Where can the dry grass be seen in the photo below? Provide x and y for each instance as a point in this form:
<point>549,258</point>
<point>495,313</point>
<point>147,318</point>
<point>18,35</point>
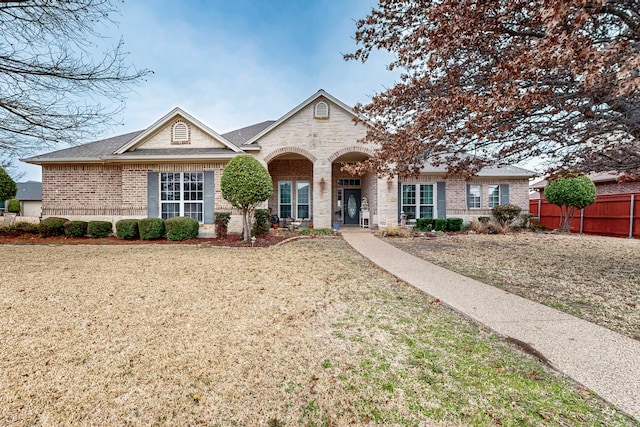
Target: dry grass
<point>307,333</point>
<point>593,277</point>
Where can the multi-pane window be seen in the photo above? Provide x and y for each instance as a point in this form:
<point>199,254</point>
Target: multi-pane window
<point>285,200</point>
<point>417,200</point>
<point>474,197</point>
<point>494,195</point>
<point>349,182</point>
<point>182,194</point>
<point>302,199</point>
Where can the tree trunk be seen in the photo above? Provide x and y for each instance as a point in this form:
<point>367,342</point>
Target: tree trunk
<point>246,232</point>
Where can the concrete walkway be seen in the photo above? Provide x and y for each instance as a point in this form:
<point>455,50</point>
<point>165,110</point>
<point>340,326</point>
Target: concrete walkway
<point>601,360</point>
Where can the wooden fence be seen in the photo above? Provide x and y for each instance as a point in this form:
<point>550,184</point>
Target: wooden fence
<point>611,215</point>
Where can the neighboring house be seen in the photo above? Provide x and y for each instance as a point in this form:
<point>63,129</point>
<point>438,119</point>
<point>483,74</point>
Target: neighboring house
<point>30,197</point>
<point>605,182</point>
<point>174,167</point>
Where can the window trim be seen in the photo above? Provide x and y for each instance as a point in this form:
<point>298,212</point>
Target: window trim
<point>479,196</point>
<point>182,200</point>
<point>280,204</point>
<point>417,189</point>
<point>489,193</point>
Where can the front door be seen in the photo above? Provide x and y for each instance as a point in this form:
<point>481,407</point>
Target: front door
<point>352,199</point>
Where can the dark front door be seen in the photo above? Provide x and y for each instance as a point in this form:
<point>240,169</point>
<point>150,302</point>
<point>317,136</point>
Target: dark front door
<point>352,199</point>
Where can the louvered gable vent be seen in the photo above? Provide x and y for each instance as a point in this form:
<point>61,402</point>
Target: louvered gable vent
<point>322,110</point>
<point>180,133</point>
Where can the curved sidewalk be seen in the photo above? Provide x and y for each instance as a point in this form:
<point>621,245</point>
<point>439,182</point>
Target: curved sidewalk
<point>601,360</point>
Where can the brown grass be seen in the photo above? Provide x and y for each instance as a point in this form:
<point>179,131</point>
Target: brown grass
<point>307,333</point>
<point>593,277</point>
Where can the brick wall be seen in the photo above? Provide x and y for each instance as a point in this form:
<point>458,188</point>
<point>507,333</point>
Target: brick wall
<point>617,188</point>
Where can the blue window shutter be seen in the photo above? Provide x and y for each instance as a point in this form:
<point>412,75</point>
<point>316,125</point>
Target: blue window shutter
<point>441,188</point>
<point>504,194</point>
<point>153,209</point>
<point>399,201</point>
<point>468,196</point>
<point>209,191</point>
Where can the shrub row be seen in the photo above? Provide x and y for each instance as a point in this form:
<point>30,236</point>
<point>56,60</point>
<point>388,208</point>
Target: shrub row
<point>178,228</point>
<point>439,224</point>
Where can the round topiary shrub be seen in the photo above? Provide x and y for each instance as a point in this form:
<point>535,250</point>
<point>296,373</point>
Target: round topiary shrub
<point>151,228</point>
<point>52,226</point>
<point>127,229</point>
<point>75,229</point>
<point>98,229</point>
<point>181,228</point>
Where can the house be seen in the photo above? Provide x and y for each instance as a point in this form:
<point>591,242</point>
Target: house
<point>30,197</point>
<point>173,168</point>
<point>605,182</point>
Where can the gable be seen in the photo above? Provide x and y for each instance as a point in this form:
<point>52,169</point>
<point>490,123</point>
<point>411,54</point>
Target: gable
<point>164,138</point>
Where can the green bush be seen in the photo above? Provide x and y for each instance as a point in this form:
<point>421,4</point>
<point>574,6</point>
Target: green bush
<point>454,224</point>
<point>52,226</point>
<point>98,229</point>
<point>151,228</point>
<point>26,227</point>
<point>506,214</point>
<point>127,229</point>
<point>261,222</point>
<point>75,228</point>
<point>222,224</point>
<point>424,224</point>
<point>14,206</point>
<point>181,228</point>
<point>440,224</point>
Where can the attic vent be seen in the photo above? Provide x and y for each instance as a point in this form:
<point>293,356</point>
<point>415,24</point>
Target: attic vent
<point>180,133</point>
<point>322,110</point>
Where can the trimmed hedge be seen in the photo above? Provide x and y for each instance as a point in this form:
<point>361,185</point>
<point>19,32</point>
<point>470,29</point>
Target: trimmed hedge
<point>181,228</point>
<point>261,223</point>
<point>127,229</point>
<point>13,206</point>
<point>454,224</point>
<point>151,228</point>
<point>424,224</point>
<point>506,214</point>
<point>98,229</point>
<point>52,226</point>
<point>75,228</point>
<point>440,224</point>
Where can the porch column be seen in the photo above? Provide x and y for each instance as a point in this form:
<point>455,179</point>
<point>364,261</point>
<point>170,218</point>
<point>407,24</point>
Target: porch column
<point>322,191</point>
<point>387,201</point>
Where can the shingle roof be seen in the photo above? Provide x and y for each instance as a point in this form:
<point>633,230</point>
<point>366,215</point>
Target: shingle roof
<point>90,151</point>
<point>491,170</point>
<point>30,190</point>
<point>242,135</point>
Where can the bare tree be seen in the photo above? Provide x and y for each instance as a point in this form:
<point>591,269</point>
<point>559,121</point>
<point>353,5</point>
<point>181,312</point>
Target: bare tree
<point>60,80</point>
<point>505,81</point>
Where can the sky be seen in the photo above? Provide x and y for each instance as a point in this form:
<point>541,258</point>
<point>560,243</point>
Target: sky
<point>235,63</point>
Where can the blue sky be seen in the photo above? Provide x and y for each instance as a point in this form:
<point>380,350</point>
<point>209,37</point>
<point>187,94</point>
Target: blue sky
<point>235,63</point>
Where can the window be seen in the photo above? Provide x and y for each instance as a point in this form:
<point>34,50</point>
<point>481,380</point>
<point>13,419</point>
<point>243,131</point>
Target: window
<point>285,200</point>
<point>180,133</point>
<point>349,182</point>
<point>474,196</point>
<point>182,194</point>
<point>302,200</point>
<point>494,195</point>
<point>417,199</point>
<point>321,110</point>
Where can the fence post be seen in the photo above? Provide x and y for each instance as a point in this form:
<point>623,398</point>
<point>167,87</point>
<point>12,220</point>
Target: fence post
<point>633,200</point>
<point>540,208</point>
<point>581,219</point>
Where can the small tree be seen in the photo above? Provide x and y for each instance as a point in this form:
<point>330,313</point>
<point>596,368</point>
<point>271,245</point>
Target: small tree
<point>245,183</point>
<point>571,193</point>
<point>8,187</point>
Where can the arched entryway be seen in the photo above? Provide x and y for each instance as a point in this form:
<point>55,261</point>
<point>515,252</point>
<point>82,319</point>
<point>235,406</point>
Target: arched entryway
<point>351,191</point>
<point>292,177</point>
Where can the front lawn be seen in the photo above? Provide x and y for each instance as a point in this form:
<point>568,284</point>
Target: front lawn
<point>306,333</point>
